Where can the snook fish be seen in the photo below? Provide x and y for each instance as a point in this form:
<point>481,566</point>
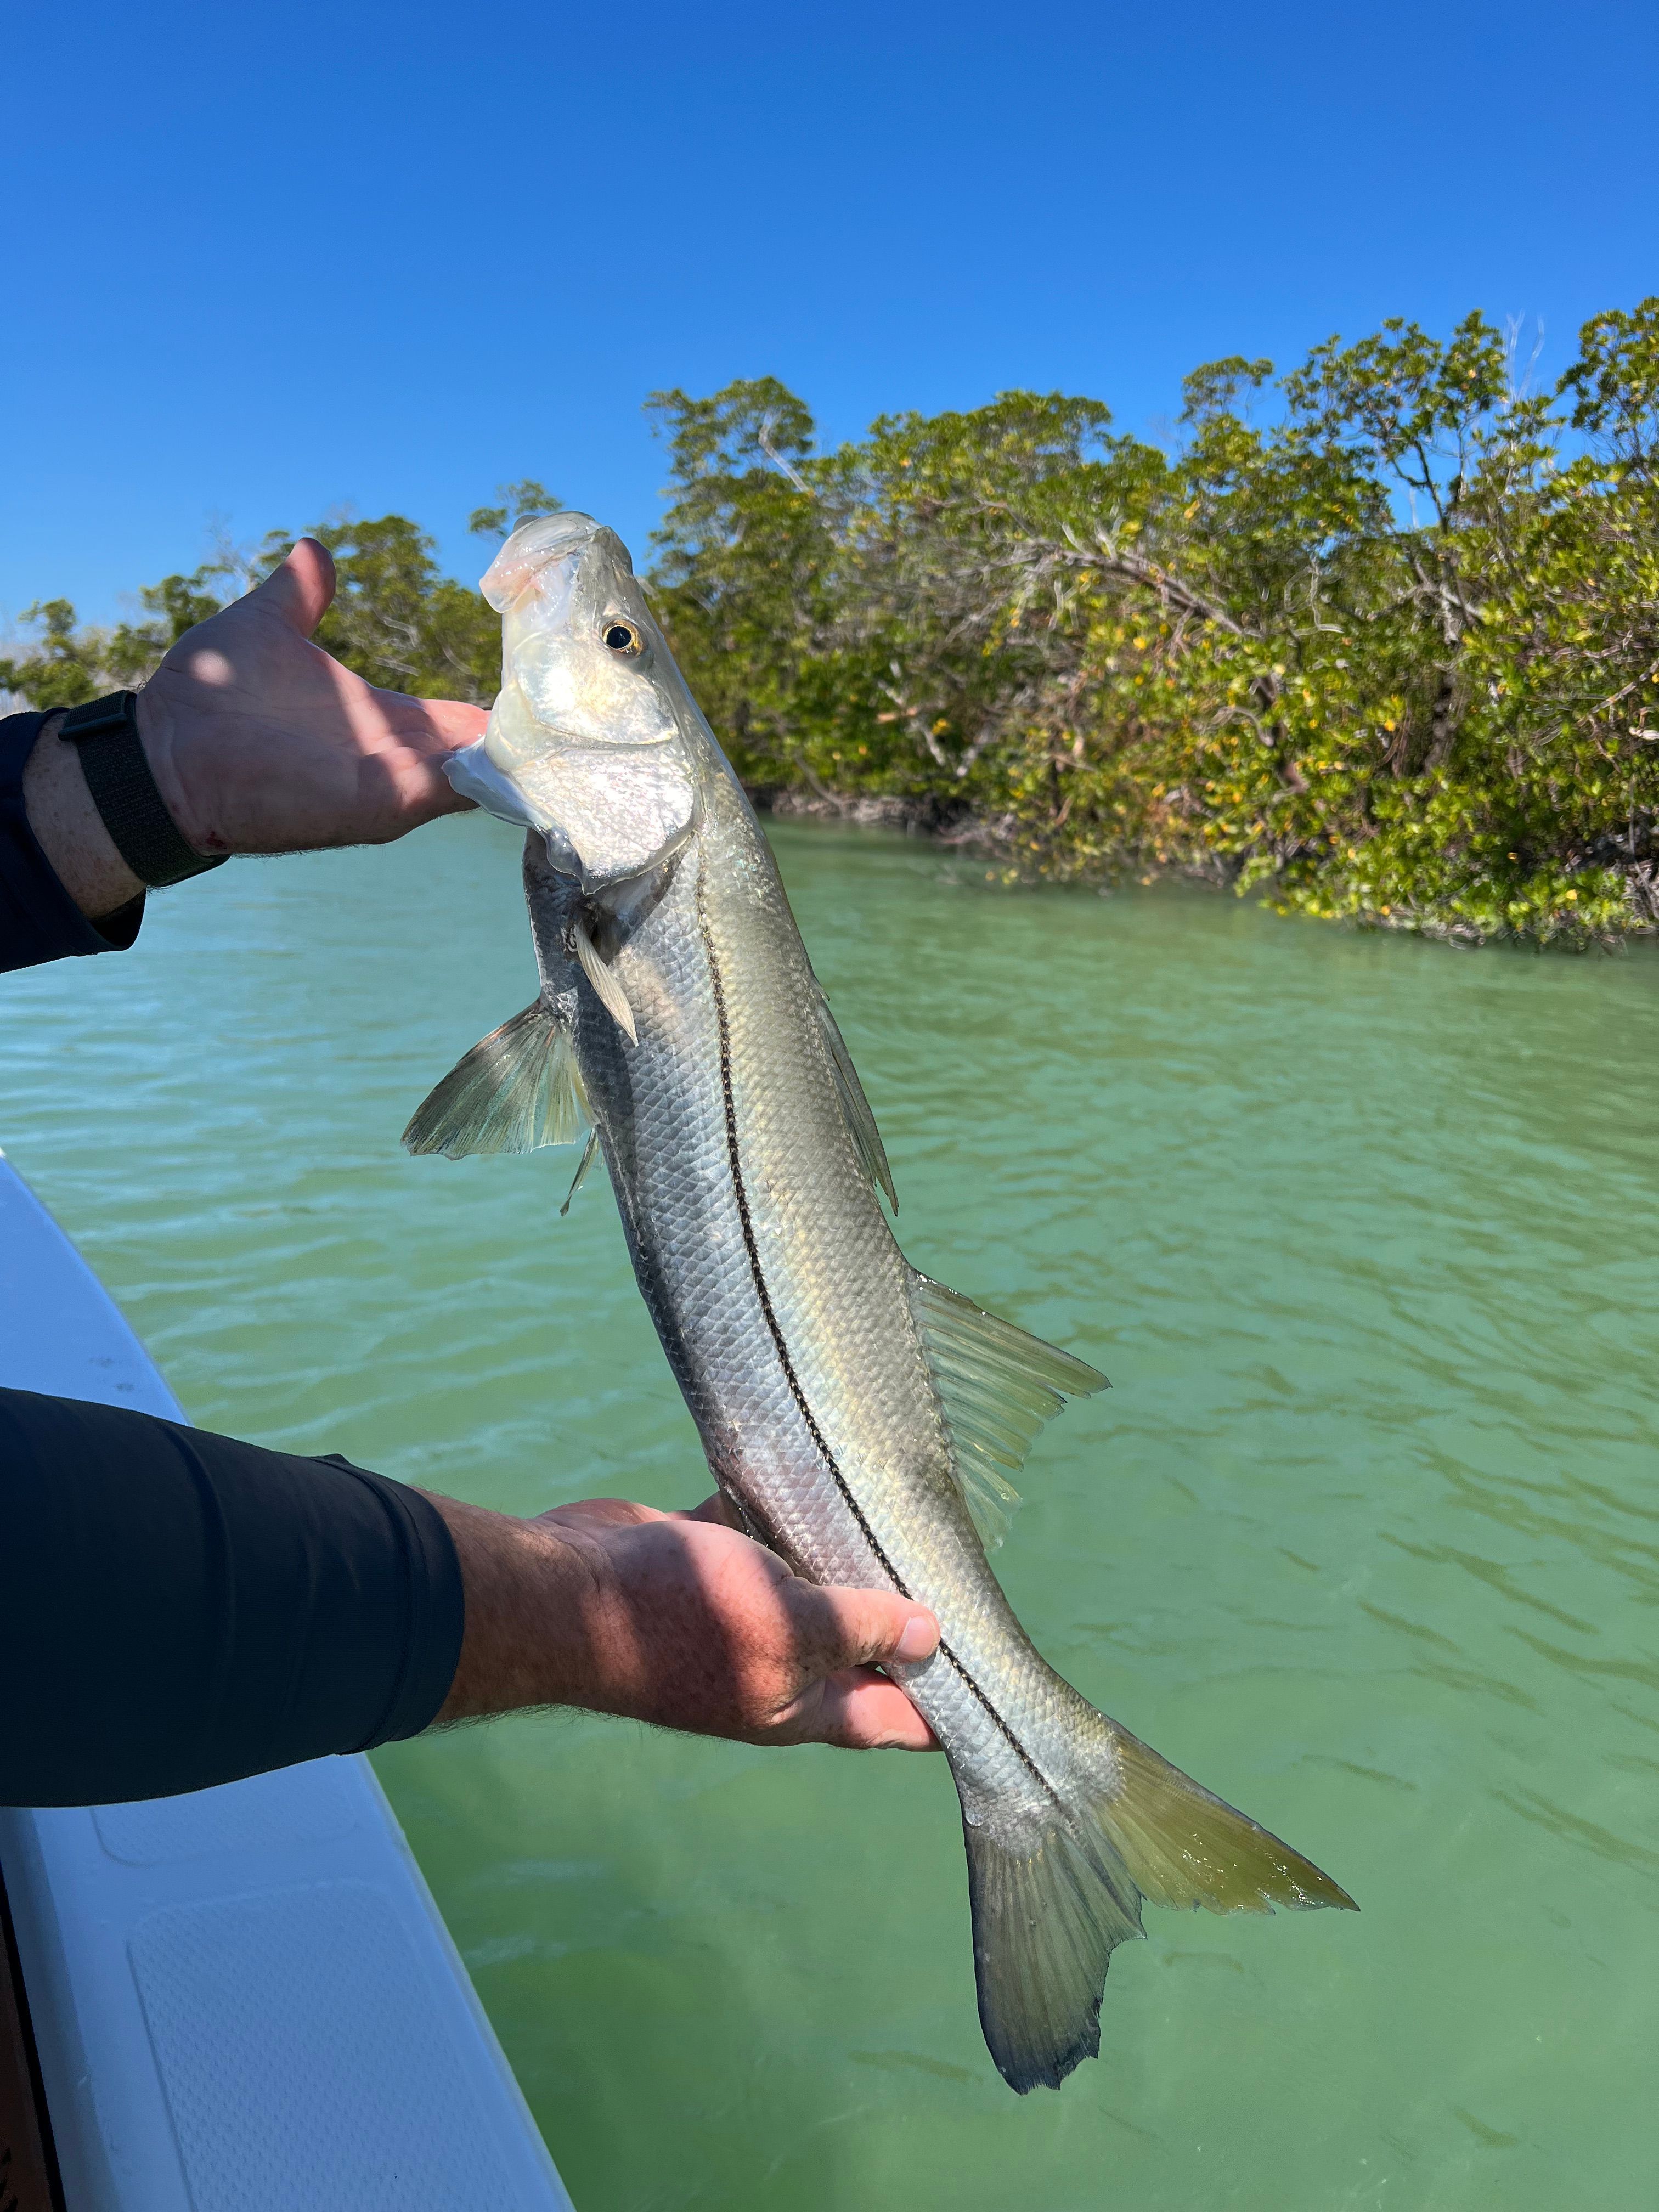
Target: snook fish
<point>864,1419</point>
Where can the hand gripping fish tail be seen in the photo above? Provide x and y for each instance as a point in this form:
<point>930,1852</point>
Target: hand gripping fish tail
<point>867,1419</point>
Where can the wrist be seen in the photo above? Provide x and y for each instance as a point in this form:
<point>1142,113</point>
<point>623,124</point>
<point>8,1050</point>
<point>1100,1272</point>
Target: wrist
<point>71,832</point>
<point>527,1593</point>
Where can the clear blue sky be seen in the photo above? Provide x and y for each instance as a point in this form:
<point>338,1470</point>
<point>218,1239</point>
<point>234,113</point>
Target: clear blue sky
<point>264,261</point>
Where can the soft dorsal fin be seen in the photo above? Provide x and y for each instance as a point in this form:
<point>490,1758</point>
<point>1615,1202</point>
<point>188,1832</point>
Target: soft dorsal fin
<point>998,1386</point>
<point>515,1091</point>
<point>855,1106</point>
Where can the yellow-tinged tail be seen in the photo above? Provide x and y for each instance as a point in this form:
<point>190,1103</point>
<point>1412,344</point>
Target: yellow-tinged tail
<point>1185,1847</point>
<point>1053,1897</point>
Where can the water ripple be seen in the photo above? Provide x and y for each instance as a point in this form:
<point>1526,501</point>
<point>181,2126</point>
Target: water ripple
<point>1365,1535</point>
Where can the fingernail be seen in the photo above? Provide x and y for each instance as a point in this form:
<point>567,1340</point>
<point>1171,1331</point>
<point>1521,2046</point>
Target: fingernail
<point>919,1639</point>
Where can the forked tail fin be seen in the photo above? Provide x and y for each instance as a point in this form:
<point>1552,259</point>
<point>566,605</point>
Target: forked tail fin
<point>1053,1897</point>
<point>1050,1906</point>
<point>1186,1847</point>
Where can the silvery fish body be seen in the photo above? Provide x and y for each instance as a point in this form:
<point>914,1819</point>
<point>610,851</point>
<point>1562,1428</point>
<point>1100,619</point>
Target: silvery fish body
<point>864,1419</point>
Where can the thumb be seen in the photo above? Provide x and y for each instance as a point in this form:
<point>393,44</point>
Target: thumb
<point>301,590</point>
<point>866,1628</point>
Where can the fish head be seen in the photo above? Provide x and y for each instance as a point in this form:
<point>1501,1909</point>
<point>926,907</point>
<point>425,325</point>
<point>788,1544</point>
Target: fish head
<point>595,739</point>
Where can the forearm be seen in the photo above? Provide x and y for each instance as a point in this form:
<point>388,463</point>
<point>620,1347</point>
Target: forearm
<point>184,1608</point>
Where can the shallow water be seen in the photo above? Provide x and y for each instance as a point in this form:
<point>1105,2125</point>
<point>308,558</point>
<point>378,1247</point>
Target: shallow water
<point>1366,1535</point>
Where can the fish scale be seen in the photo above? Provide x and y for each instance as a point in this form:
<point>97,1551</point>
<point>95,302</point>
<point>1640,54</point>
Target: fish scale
<point>864,1418</point>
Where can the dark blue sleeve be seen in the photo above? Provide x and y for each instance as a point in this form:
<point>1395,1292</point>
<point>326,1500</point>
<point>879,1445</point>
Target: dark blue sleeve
<point>183,1609</point>
<point>38,920</point>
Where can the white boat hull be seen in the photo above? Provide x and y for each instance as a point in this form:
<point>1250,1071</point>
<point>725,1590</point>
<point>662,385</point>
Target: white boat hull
<point>243,1999</point>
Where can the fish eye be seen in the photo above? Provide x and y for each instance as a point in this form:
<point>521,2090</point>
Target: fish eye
<point>621,637</point>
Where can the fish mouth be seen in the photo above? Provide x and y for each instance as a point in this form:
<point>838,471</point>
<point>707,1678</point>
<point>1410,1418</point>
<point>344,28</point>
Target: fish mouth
<point>536,545</point>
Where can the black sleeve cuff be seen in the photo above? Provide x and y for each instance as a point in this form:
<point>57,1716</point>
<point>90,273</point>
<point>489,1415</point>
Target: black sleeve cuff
<point>186,1609</point>
<point>38,920</point>
<point>418,1537</point>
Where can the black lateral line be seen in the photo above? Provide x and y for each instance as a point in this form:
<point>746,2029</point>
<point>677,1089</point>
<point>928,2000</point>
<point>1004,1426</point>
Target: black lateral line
<point>757,1272</point>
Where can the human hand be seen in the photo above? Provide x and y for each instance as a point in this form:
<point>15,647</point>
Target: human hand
<point>260,742</point>
<point>677,1619</point>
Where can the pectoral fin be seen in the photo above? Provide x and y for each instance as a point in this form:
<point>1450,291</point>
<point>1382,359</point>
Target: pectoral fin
<point>516,1090</point>
<point>998,1386</point>
<point>606,989</point>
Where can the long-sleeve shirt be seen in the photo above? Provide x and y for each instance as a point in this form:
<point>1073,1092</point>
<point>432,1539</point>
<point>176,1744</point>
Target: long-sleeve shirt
<point>38,920</point>
<point>182,1608</point>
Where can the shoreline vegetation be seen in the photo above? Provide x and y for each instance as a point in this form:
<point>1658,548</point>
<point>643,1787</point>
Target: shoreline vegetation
<point>1378,637</point>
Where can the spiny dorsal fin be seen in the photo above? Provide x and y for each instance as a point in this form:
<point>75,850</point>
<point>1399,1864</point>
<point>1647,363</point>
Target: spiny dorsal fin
<point>855,1106</point>
<point>517,1090</point>
<point>600,974</point>
<point>998,1386</point>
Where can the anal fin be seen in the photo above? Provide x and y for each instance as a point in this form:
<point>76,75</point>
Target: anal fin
<point>997,1385</point>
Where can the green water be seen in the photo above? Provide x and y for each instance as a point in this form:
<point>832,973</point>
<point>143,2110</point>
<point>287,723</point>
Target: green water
<point>1366,1535</point>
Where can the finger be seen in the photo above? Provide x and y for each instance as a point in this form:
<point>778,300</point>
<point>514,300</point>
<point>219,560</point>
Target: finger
<point>455,723</point>
<point>424,792</point>
<point>433,726</point>
<point>301,590</point>
<point>861,1711</point>
<point>450,801</point>
<point>432,731</point>
<point>602,1513</point>
<point>717,1509</point>
<point>860,1628</point>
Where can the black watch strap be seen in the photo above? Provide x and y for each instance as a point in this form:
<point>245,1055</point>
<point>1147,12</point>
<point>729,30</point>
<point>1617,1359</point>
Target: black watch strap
<point>105,732</point>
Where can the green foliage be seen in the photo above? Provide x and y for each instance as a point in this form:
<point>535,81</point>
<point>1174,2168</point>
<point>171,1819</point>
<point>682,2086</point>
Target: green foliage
<point>397,620</point>
<point>745,548</point>
<point>1379,636</point>
<point>1390,652</point>
<point>519,502</point>
<point>175,604</point>
<point>62,667</point>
